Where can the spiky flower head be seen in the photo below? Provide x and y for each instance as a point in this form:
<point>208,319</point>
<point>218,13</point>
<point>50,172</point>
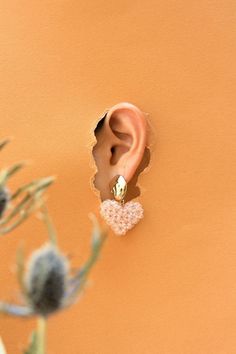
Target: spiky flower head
<point>48,285</point>
<point>46,280</point>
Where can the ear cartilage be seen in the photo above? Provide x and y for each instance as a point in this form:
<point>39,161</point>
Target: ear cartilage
<point>120,216</point>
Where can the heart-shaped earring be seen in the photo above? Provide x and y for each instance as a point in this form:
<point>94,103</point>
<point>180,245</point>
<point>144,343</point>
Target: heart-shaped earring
<point>120,216</point>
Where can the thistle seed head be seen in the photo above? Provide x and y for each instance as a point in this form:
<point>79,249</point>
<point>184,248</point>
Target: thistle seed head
<point>4,199</point>
<point>46,280</point>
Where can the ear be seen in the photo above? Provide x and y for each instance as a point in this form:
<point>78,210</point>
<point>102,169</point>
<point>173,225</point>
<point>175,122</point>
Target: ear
<point>121,142</point>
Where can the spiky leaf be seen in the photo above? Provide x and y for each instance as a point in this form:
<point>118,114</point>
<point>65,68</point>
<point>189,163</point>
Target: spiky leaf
<point>32,349</point>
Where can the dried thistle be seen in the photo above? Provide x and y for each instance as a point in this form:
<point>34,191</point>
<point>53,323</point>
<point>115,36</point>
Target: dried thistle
<point>18,206</point>
<point>48,285</point>
<point>46,280</point>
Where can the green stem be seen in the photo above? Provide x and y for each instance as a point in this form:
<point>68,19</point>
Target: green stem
<point>41,336</point>
<point>49,224</point>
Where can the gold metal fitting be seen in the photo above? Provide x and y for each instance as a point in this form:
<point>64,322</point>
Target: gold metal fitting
<point>118,188</point>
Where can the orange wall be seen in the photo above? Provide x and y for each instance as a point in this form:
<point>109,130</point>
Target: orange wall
<point>169,287</point>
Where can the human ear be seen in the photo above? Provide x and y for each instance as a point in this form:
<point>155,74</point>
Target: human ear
<point>121,146</point>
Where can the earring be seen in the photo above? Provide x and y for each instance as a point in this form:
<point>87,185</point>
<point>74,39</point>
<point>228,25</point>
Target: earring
<point>120,216</point>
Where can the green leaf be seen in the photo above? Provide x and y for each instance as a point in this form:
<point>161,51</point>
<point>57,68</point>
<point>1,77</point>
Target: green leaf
<point>28,200</point>
<point>99,235</point>
<point>4,142</point>
<point>20,270</point>
<point>52,234</point>
<point>98,238</point>
<point>10,171</point>
<point>33,346</point>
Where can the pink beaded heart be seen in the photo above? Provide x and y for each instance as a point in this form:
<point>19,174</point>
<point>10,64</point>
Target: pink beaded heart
<point>121,218</point>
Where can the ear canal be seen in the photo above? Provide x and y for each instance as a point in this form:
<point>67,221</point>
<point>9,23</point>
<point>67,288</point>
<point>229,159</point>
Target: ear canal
<point>124,139</point>
<point>116,153</point>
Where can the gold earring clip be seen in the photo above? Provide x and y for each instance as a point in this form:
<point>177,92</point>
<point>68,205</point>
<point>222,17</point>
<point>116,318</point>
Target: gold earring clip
<point>119,188</point>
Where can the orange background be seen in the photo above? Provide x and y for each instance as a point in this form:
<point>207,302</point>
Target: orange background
<point>169,287</point>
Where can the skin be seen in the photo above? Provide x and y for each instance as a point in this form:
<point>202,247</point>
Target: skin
<point>121,146</point>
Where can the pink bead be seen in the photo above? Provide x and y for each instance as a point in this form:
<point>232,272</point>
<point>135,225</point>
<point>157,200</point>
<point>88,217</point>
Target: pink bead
<point>121,218</point>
